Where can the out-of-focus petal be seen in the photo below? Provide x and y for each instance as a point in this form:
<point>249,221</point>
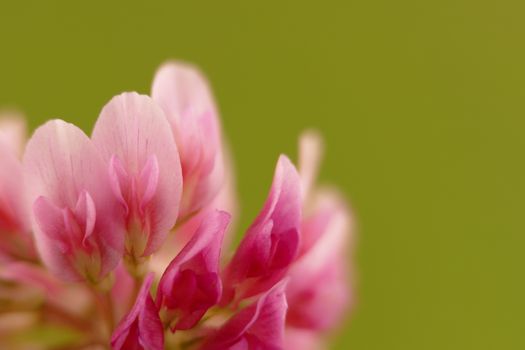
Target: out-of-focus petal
<point>141,328</point>
<point>61,167</point>
<point>191,283</point>
<point>135,139</point>
<point>14,219</point>
<point>185,96</point>
<point>13,131</point>
<point>258,326</point>
<point>295,339</point>
<point>319,291</point>
<point>122,290</point>
<point>31,275</point>
<point>271,242</point>
<point>310,154</point>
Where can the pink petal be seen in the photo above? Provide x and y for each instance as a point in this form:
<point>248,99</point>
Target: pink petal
<point>141,327</point>
<point>86,211</point>
<point>122,290</point>
<point>13,201</point>
<point>302,339</point>
<point>13,132</point>
<point>191,284</point>
<point>226,200</point>
<point>69,186</point>
<point>135,140</point>
<point>320,299</point>
<point>29,274</point>
<point>310,154</point>
<point>319,291</point>
<point>271,242</point>
<point>258,326</point>
<point>186,98</point>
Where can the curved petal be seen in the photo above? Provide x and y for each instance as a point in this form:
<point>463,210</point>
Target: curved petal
<point>191,284</point>
<point>310,154</point>
<point>133,129</point>
<point>185,96</point>
<point>302,339</point>
<point>141,327</point>
<point>13,131</point>
<point>319,291</point>
<point>62,165</point>
<point>258,326</point>
<point>13,201</point>
<point>271,243</point>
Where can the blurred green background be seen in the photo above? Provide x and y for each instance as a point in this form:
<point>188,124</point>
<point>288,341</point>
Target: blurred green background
<point>421,103</point>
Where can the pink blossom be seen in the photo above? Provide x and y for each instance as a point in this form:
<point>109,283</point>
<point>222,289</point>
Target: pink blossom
<point>145,206</point>
<point>75,216</point>
<point>134,138</point>
<point>258,326</point>
<point>141,328</point>
<point>191,284</point>
<point>271,243</point>
<point>183,93</point>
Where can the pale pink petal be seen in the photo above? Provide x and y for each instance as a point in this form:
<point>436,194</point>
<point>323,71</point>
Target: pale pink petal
<point>310,154</point>
<point>69,190</point>
<point>135,139</point>
<point>141,327</point>
<point>191,283</point>
<point>14,218</point>
<point>295,339</point>
<point>271,243</point>
<point>31,275</point>
<point>319,292</point>
<point>13,131</point>
<point>186,98</point>
<point>319,299</point>
<point>258,326</point>
<point>122,290</point>
<point>226,200</point>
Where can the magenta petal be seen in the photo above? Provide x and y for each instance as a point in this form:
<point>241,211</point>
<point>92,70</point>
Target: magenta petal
<point>141,327</point>
<point>191,284</point>
<point>271,242</point>
<point>258,326</point>
<point>66,177</point>
<point>134,137</point>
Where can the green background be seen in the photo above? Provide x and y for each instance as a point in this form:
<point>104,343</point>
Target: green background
<point>421,103</point>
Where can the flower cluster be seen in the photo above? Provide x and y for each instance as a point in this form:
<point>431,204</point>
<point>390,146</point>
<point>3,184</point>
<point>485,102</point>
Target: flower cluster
<point>121,238</point>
